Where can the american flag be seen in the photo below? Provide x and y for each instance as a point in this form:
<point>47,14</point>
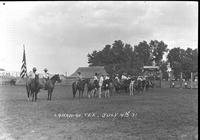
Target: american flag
<point>23,68</point>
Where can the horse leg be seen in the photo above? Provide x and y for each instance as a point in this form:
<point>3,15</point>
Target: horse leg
<point>28,92</point>
<point>74,93</point>
<point>48,94</point>
<point>51,91</point>
<point>131,92</point>
<point>79,93</point>
<point>32,93</point>
<point>108,94</point>
<point>100,92</point>
<point>36,96</point>
<point>93,93</point>
<point>89,92</point>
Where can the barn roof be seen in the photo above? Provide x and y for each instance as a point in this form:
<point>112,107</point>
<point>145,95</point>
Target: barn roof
<point>89,72</point>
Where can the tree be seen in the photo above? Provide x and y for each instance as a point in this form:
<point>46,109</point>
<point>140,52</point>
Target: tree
<point>163,68</point>
<point>94,59</point>
<point>142,52</point>
<point>158,48</point>
<point>185,61</point>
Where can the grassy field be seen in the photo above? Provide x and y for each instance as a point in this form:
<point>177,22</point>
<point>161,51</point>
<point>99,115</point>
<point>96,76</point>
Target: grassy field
<point>159,114</point>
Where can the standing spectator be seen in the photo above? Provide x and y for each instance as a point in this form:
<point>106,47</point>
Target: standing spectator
<point>131,87</point>
<point>101,79</point>
<point>106,86</point>
<point>96,84</point>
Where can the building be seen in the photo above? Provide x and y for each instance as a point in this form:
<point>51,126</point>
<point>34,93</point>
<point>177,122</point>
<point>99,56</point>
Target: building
<point>89,72</point>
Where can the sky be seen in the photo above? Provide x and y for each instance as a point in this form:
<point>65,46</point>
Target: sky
<point>58,35</point>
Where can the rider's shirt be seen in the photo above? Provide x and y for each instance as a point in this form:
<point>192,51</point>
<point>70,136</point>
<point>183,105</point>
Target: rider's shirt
<point>31,75</point>
<point>139,79</point>
<point>95,78</point>
<point>117,78</point>
<point>124,77</point>
<point>45,75</point>
<point>106,78</point>
<point>185,83</point>
<point>79,77</point>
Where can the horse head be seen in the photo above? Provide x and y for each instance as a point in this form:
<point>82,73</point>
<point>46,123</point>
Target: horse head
<point>87,81</point>
<point>56,77</point>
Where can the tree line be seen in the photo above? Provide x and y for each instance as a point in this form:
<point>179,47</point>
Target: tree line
<point>122,57</point>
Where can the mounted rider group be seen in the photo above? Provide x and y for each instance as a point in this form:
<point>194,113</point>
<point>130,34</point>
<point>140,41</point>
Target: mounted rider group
<point>34,83</point>
<point>100,84</point>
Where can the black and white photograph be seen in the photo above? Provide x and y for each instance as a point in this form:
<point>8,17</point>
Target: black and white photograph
<point>99,70</point>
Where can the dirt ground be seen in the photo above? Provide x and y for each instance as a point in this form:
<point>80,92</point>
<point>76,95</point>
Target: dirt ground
<point>159,114</point>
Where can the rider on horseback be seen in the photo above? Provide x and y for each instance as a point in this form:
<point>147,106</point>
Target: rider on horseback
<point>79,77</point>
<point>139,78</point>
<point>32,73</point>
<point>117,78</point>
<point>123,78</point>
<point>45,76</point>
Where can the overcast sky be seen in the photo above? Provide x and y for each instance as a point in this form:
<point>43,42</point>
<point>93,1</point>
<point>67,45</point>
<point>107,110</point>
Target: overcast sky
<point>59,35</point>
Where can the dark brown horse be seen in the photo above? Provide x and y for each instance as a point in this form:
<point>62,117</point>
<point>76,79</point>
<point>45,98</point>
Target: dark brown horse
<point>31,87</point>
<point>48,85</point>
<point>79,86</point>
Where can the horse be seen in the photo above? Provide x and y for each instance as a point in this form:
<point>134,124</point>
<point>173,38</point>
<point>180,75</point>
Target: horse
<point>139,86</point>
<point>13,82</point>
<point>48,85</point>
<point>121,85</point>
<point>107,87</point>
<point>78,85</point>
<point>32,88</point>
<point>148,85</point>
<point>92,88</point>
